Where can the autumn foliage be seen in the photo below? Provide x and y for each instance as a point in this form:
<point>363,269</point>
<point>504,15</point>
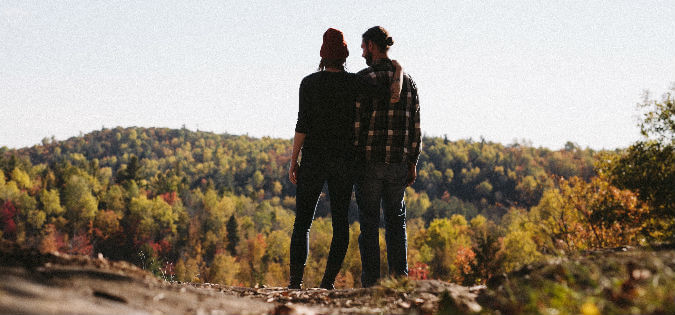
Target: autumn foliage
<point>195,206</point>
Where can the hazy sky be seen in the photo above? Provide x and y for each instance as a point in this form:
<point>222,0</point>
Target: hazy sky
<point>547,71</point>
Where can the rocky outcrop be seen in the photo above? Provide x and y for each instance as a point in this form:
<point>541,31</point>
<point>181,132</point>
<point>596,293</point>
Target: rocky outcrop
<point>37,283</point>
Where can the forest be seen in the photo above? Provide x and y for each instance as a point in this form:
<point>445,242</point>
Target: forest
<point>219,208</point>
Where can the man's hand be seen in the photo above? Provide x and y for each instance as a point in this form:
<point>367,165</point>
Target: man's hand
<point>412,174</point>
<point>293,172</point>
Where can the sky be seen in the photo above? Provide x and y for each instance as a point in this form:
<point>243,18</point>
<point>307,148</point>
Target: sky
<point>545,72</point>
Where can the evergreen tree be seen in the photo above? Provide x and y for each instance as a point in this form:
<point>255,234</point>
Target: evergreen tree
<point>131,172</point>
<point>232,235</point>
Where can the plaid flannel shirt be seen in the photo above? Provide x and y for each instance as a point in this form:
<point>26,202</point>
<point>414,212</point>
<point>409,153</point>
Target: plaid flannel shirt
<point>385,132</point>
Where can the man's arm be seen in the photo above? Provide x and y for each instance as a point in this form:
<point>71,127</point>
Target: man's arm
<point>415,131</point>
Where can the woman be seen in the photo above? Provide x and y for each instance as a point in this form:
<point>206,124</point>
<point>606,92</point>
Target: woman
<point>324,133</point>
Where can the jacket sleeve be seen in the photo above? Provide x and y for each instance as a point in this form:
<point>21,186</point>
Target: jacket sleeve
<point>414,130</point>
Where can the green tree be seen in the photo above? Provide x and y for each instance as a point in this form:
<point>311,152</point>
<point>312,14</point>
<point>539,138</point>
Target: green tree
<point>658,120</point>
<point>257,180</point>
<point>518,249</point>
<point>156,218</point>
<point>648,166</point>
<point>131,172</point>
<point>36,218</point>
<point>485,237</point>
<point>81,205</point>
<point>416,203</point>
<point>484,189</point>
<point>113,199</point>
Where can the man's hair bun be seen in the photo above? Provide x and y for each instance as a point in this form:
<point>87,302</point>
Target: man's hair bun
<point>379,36</point>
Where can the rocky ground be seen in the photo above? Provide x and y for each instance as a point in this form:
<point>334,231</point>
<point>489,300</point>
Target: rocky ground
<point>35,283</point>
<point>620,281</point>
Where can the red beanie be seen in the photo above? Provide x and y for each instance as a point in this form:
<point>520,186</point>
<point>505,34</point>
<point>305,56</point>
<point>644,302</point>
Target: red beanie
<point>334,45</point>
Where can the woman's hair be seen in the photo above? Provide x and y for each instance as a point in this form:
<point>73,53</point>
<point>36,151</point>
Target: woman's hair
<point>380,37</point>
<point>332,63</point>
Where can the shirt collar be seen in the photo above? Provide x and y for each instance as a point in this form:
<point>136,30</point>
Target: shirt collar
<point>380,62</point>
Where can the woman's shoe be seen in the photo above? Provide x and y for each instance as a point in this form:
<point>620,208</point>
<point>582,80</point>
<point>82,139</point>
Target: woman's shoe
<point>296,277</point>
<point>327,282</point>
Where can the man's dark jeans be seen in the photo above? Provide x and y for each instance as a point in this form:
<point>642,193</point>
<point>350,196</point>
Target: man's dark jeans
<point>382,183</point>
<point>317,168</point>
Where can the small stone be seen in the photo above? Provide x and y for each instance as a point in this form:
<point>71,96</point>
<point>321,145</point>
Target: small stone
<point>428,297</point>
<point>427,307</point>
<point>641,274</point>
<point>290,309</point>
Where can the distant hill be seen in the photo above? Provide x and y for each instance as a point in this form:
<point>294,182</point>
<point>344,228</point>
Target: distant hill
<point>202,207</point>
<point>486,175</point>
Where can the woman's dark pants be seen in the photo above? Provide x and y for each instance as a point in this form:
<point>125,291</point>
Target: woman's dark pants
<point>317,168</point>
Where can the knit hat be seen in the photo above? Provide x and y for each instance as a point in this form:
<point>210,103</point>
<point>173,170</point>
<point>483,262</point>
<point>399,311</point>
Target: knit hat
<point>334,45</point>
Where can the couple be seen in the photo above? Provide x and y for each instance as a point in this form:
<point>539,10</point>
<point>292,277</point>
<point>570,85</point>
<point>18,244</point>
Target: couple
<point>358,129</point>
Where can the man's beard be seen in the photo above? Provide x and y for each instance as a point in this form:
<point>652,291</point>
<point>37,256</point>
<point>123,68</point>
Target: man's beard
<point>369,59</point>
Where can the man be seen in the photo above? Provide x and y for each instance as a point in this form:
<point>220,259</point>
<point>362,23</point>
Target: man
<point>388,141</point>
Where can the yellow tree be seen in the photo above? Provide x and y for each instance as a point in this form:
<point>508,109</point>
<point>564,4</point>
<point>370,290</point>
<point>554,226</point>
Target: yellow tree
<point>224,269</point>
<point>252,268</point>
<point>444,240</point>
<point>51,202</point>
<point>81,205</point>
<point>519,245</point>
<point>351,266</point>
<point>277,254</point>
<point>579,215</point>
